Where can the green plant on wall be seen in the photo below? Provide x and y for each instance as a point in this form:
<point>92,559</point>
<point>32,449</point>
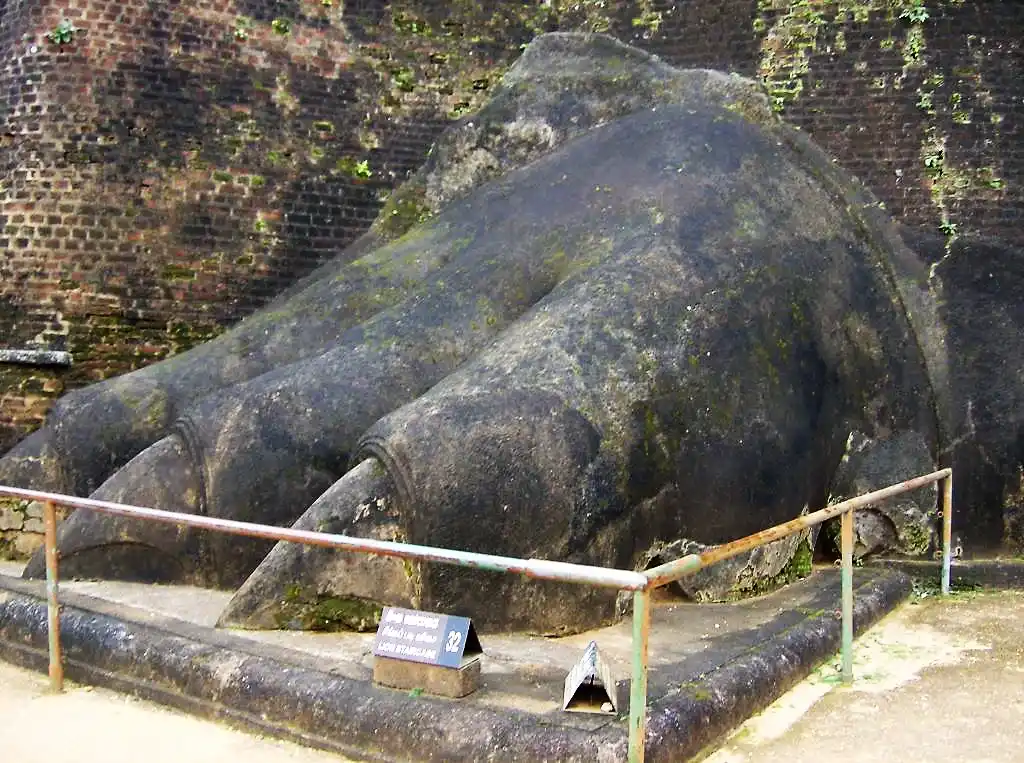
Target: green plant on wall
<point>63,33</point>
<point>281,26</point>
<point>406,22</point>
<point>795,32</point>
<point>926,93</point>
<point>404,79</point>
<point>945,183</point>
<point>242,26</point>
<point>787,47</point>
<point>913,47</point>
<point>990,179</point>
<point>355,168</point>
<point>914,12</point>
<point>960,115</point>
<point>362,169</point>
<point>649,19</point>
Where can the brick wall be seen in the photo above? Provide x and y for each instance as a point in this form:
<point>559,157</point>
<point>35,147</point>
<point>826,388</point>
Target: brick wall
<point>172,165</point>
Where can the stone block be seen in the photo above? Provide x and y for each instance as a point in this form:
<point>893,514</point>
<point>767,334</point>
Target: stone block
<point>33,525</point>
<point>433,679</point>
<point>25,544</point>
<point>34,518</point>
<point>11,516</point>
<point>10,519</point>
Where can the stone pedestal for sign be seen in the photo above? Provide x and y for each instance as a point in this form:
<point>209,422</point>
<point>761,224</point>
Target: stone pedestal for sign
<point>432,679</point>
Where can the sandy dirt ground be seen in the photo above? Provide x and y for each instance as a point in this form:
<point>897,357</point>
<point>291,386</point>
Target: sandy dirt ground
<point>935,681</point>
<point>87,725</point>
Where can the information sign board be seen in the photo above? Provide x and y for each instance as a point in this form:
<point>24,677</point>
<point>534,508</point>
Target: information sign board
<point>427,637</point>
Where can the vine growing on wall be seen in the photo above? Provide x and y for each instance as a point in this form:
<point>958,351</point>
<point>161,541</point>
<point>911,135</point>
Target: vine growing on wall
<point>956,98</point>
<point>63,33</point>
<point>794,31</point>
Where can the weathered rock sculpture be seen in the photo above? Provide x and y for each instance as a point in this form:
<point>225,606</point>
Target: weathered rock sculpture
<point>646,315</point>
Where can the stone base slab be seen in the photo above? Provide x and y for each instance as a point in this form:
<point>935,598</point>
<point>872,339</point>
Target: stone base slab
<point>432,679</point>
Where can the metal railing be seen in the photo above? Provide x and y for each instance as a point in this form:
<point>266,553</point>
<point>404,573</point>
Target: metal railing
<point>642,584</point>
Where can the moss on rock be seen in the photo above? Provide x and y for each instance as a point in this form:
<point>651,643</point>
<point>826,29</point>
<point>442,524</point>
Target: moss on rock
<point>305,610</point>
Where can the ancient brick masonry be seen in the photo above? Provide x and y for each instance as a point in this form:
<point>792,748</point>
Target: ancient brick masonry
<point>167,167</point>
<point>21,528</point>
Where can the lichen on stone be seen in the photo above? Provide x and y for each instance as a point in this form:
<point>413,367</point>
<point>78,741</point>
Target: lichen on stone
<point>305,610</point>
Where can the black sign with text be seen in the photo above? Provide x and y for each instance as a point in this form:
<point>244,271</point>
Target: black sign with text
<point>408,634</point>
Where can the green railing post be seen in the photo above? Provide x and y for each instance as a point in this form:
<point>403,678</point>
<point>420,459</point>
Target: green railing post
<point>846,541</point>
<point>638,686</point>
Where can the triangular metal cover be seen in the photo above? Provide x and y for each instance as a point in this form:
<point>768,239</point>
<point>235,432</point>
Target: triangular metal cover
<point>473,648</point>
<point>590,687</point>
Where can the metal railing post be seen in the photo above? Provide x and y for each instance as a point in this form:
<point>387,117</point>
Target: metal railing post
<point>638,686</point>
<point>846,541</point>
<point>947,529</point>
<point>52,603</point>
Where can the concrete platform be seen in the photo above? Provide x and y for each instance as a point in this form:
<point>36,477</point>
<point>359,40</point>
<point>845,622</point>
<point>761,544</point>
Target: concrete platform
<point>712,666</point>
<point>976,572</point>
<point>938,680</point>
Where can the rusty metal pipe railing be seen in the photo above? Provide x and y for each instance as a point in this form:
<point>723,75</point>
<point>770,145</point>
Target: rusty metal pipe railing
<point>638,684</point>
<point>640,584</point>
<point>542,569</point>
<point>947,529</point>
<point>671,571</point>
<point>846,555</point>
